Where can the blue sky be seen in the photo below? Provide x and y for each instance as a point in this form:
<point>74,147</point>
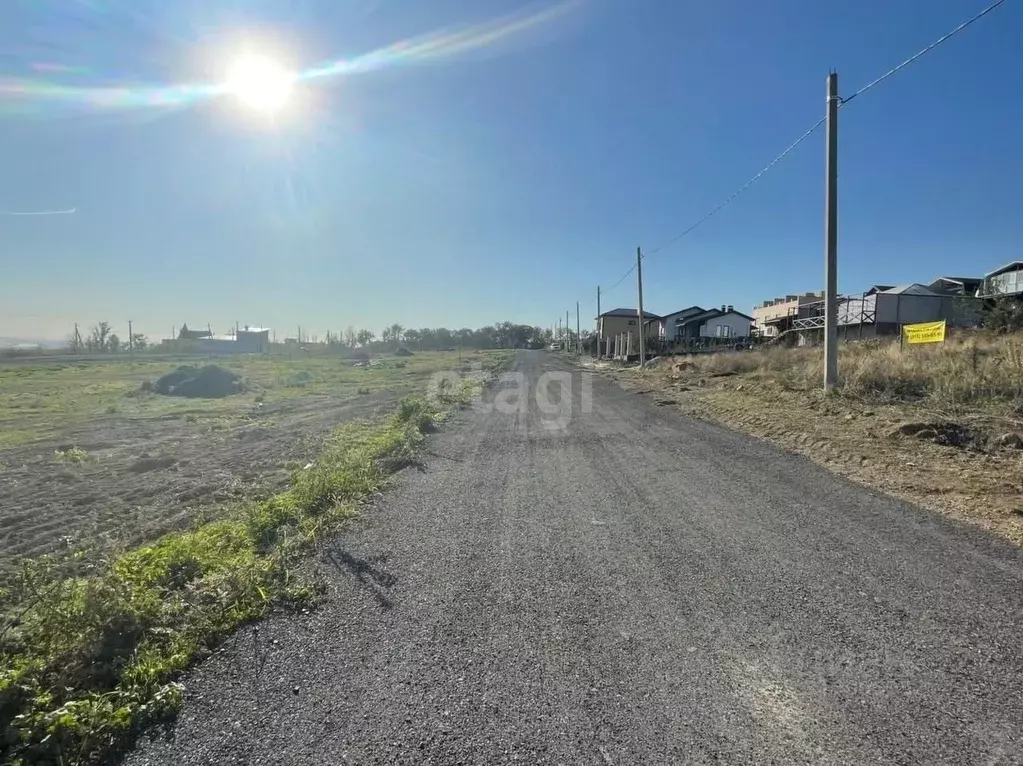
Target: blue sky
<point>500,172</point>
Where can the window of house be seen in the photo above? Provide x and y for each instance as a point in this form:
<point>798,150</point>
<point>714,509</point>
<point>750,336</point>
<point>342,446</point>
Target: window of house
<point>632,321</point>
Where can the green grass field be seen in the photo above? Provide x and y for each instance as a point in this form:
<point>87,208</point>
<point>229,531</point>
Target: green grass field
<point>93,643</point>
<point>37,401</point>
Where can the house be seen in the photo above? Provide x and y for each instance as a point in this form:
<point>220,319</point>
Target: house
<point>961,286</point>
<point>665,328</point>
<point>186,334</point>
<point>774,317</point>
<point>722,323</point>
<point>621,321</point>
<point>252,340</point>
<point>881,311</point>
<point>1003,282</point>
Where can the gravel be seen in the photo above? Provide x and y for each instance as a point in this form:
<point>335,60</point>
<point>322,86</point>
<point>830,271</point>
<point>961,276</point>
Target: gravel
<point>635,587</point>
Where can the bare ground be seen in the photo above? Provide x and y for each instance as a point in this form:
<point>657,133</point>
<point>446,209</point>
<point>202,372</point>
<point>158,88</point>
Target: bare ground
<point>969,477</point>
<point>141,477</point>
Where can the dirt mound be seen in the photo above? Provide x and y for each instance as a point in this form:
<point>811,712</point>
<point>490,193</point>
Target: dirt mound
<point>403,352</point>
<point>946,433</point>
<point>209,382</point>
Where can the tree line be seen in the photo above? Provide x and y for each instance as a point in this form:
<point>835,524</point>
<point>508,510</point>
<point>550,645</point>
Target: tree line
<point>500,335</point>
<point>101,339</point>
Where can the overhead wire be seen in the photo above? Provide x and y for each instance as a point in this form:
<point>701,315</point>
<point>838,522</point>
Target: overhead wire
<point>809,132</point>
<point>922,52</point>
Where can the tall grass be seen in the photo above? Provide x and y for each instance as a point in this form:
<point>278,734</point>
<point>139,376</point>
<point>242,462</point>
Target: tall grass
<point>966,369</point>
<point>90,653</point>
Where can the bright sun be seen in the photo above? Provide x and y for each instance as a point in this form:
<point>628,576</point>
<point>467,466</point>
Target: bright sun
<point>260,83</point>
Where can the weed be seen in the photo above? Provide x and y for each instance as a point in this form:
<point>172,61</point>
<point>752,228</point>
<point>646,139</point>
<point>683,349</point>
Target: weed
<point>363,391</point>
<point>964,370</point>
<point>71,455</point>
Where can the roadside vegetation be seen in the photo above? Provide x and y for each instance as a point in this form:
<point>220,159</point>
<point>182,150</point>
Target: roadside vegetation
<point>966,371</point>
<point>938,424</point>
<point>91,648</point>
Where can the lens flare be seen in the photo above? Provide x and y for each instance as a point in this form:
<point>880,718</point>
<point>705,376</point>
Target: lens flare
<point>260,82</point>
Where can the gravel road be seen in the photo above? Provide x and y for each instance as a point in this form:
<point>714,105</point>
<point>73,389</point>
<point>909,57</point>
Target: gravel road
<point>630,587</point>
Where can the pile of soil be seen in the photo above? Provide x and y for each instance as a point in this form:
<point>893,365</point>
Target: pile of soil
<point>403,352</point>
<point>209,382</point>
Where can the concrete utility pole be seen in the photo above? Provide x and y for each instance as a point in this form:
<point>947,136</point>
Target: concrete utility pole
<point>568,333</point>
<point>639,277</point>
<point>596,348</point>
<point>578,334</point>
<point>131,341</point>
<point>831,238</point>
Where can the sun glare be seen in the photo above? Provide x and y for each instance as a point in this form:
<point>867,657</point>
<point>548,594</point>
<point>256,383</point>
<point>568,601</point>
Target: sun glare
<point>260,83</point>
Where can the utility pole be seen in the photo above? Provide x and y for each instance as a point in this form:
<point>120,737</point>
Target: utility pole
<point>831,238</point>
<point>131,342</point>
<point>578,333</point>
<point>596,352</point>
<point>568,333</point>
<point>639,277</point>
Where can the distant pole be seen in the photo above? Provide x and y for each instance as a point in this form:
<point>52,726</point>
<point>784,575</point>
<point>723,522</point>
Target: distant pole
<point>578,331</point>
<point>131,342</point>
<point>639,277</point>
<point>596,352</point>
<point>568,334</point>
<point>831,238</point>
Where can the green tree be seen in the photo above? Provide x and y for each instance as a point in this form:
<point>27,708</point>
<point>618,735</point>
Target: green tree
<point>1005,315</point>
<point>99,336</point>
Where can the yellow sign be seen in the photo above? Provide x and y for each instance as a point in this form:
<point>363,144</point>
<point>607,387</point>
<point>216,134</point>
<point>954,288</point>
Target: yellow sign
<point>926,332</point>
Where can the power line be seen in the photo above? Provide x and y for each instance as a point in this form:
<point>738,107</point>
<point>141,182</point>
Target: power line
<point>809,132</point>
<point>623,278</point>
<point>926,50</point>
<point>742,188</point>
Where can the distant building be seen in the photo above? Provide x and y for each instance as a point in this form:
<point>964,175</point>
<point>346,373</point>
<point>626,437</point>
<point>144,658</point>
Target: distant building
<point>966,287</point>
<point>618,321</point>
<point>774,317</point>
<point>1003,282</point>
<point>666,328</point>
<point>722,323</point>
<point>186,334</point>
<point>252,340</point>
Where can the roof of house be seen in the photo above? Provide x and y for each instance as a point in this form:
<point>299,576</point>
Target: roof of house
<point>1007,267</point>
<point>691,311</point>
<point>911,289</point>
<point>959,280</point>
<point>711,314</point>
<point>629,313</point>
<point>878,289</point>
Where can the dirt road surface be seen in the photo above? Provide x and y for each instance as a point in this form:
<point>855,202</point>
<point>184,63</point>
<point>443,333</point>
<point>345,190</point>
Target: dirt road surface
<point>633,587</point>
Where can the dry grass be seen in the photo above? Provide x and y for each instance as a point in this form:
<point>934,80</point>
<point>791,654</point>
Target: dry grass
<point>962,399</point>
<point>967,370</point>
